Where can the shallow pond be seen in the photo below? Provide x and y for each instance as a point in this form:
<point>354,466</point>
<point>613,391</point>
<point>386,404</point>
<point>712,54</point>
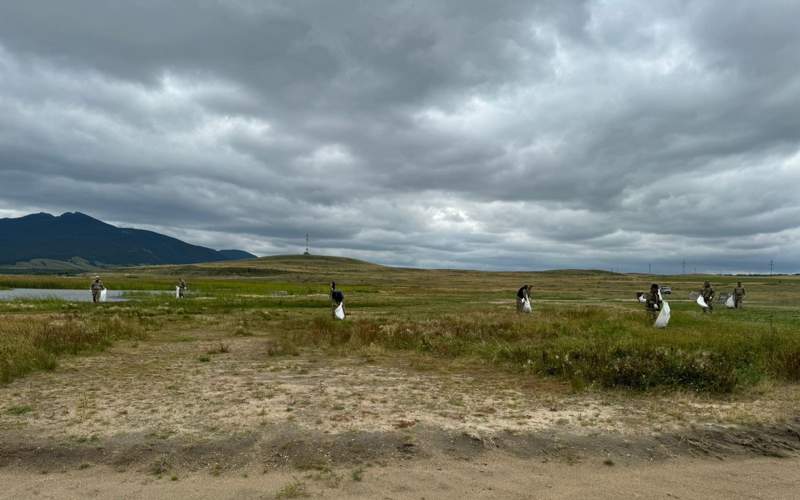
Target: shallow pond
<point>69,295</point>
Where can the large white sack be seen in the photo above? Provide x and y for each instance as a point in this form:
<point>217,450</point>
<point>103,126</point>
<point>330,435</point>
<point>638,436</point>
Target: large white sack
<point>526,306</point>
<point>701,302</point>
<point>730,303</point>
<point>339,312</point>
<point>177,292</point>
<point>663,316</point>
<point>103,295</point>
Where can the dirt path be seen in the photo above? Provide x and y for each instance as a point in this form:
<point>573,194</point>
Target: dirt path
<point>494,477</point>
<point>206,408</point>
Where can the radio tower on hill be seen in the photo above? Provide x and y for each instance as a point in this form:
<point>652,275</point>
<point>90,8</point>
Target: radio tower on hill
<point>307,252</point>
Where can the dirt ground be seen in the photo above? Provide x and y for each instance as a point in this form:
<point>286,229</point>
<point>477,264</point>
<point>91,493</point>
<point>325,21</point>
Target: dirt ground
<point>203,414</point>
<point>495,477</point>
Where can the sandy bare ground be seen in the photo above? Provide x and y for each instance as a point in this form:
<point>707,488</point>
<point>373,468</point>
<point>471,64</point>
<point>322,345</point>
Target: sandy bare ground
<point>494,477</point>
<point>193,413</point>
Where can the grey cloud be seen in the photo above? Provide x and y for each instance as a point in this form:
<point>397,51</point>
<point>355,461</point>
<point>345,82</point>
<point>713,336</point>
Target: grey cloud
<point>502,135</point>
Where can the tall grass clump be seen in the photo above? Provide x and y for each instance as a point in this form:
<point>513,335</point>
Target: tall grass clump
<point>592,346</point>
<point>28,344</point>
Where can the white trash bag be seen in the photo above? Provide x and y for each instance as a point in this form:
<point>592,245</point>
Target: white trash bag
<point>103,295</point>
<point>730,303</point>
<point>663,316</point>
<point>701,302</point>
<point>177,292</point>
<point>526,306</point>
<point>339,312</point>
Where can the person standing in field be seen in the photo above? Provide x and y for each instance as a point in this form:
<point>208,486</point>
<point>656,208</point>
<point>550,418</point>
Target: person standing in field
<point>708,296</point>
<point>337,298</point>
<point>738,295</point>
<point>182,287</point>
<point>97,287</point>
<point>653,301</point>
<point>523,296</point>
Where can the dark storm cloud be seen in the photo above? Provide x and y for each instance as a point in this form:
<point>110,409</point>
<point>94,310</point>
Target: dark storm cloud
<point>505,134</point>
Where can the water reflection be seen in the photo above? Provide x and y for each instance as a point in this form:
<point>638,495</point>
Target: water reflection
<point>69,295</point>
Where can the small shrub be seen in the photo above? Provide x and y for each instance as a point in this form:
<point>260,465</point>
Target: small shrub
<point>282,347</point>
<point>19,410</point>
<point>160,466</point>
<point>242,331</point>
<point>219,349</point>
<point>295,489</point>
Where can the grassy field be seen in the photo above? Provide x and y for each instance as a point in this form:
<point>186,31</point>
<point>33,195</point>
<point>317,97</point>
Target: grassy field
<point>586,328</point>
<point>34,343</point>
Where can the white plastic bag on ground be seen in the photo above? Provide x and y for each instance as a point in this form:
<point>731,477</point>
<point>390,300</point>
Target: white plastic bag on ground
<point>177,292</point>
<point>526,306</point>
<point>663,316</point>
<point>103,295</point>
<point>701,302</point>
<point>339,312</point>
<point>730,303</point>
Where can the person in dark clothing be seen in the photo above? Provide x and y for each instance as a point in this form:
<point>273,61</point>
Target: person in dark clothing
<point>182,287</point>
<point>738,295</point>
<point>337,297</point>
<point>653,301</point>
<point>708,296</point>
<point>97,287</point>
<point>523,295</point>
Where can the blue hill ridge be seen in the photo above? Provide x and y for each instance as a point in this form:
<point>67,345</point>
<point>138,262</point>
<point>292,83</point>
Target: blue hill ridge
<point>76,235</point>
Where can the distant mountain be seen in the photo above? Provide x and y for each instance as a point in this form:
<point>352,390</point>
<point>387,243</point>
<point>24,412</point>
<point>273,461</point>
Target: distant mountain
<point>76,237</point>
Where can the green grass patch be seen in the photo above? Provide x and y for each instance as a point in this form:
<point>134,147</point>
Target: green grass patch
<point>586,327</point>
<point>34,343</point>
<point>19,410</point>
<point>591,346</point>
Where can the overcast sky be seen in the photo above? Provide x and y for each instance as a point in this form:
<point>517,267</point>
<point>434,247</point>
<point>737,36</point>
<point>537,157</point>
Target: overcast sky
<point>476,134</point>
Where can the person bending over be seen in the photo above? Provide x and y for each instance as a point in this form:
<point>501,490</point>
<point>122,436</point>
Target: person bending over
<point>708,296</point>
<point>337,297</point>
<point>653,301</point>
<point>523,295</point>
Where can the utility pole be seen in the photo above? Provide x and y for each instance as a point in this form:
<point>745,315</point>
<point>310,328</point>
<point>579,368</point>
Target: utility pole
<point>649,268</point>
<point>307,252</point>
<point>684,266</point>
<point>771,266</point>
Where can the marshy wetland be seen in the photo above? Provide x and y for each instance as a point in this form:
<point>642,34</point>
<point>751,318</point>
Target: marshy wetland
<point>433,387</point>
